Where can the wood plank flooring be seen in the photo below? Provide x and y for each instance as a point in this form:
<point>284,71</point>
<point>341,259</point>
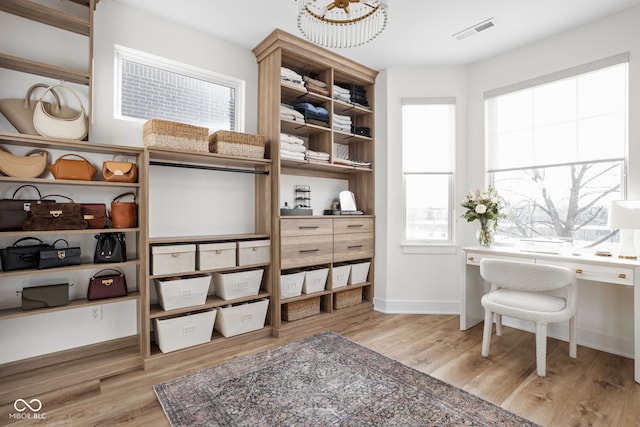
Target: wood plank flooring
<point>596,389</point>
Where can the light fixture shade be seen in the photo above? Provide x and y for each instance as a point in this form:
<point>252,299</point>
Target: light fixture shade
<point>624,214</point>
<point>341,23</point>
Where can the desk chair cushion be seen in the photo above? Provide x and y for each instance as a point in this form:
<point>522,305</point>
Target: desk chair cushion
<point>503,299</point>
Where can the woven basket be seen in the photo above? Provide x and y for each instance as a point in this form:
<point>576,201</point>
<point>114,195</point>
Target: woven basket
<point>237,144</point>
<point>300,309</point>
<point>178,136</point>
<point>347,298</point>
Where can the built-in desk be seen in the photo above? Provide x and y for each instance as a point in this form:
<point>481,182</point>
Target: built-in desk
<point>587,267</point>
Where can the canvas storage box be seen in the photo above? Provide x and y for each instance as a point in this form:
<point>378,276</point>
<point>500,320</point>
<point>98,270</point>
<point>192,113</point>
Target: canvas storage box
<point>315,280</point>
<point>237,285</point>
<point>254,252</point>
<point>173,259</point>
<point>359,273</point>
<point>297,310</point>
<point>179,292</point>
<point>347,298</point>
<point>237,144</point>
<point>216,255</point>
<point>340,276</point>
<point>291,284</point>
<point>175,135</point>
<point>184,331</point>
<point>242,318</point>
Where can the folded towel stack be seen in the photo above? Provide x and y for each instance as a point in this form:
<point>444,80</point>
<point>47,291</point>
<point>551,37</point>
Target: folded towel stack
<point>291,147</point>
<point>357,93</point>
<point>341,123</point>
<point>317,86</point>
<point>287,112</point>
<point>290,76</point>
<point>317,156</point>
<point>341,94</point>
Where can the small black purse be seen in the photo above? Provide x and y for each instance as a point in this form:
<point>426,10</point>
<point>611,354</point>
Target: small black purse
<point>22,257</point>
<point>111,247</point>
<point>52,258</point>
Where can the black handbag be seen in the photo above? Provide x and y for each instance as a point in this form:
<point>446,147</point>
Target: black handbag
<point>52,258</point>
<point>45,296</point>
<point>111,247</point>
<point>14,211</point>
<point>24,257</point>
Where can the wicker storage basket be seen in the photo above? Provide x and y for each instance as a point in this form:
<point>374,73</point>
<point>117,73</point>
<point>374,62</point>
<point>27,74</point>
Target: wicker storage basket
<point>300,309</point>
<point>347,298</point>
<point>178,136</point>
<point>237,144</point>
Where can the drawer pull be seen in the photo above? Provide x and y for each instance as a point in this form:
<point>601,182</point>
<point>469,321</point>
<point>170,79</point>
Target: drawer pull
<point>579,270</point>
<point>622,276</point>
<point>305,227</point>
<point>355,247</point>
<point>309,250</point>
<point>355,225</point>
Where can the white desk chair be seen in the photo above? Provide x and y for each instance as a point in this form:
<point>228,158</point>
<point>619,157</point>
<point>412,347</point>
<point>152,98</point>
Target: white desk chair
<point>520,290</point>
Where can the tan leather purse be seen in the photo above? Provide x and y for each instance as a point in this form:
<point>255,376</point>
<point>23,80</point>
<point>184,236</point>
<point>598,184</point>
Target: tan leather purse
<point>124,214</point>
<point>28,166</point>
<point>119,171</point>
<point>65,168</point>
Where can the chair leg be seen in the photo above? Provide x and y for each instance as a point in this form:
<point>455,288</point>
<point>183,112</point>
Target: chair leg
<point>541,349</point>
<point>486,337</point>
<point>498,324</point>
<point>573,345</point>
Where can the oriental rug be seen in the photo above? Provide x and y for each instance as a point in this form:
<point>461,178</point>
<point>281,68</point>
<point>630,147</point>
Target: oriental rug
<point>322,380</point>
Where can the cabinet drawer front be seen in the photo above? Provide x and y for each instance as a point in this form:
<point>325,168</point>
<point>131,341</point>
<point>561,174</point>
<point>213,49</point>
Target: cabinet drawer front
<point>474,258</point>
<point>352,225</point>
<point>305,227</point>
<point>598,273</point>
<point>352,246</point>
<point>299,251</point>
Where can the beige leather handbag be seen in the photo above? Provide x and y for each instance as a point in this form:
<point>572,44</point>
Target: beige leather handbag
<point>59,127</point>
<point>31,165</point>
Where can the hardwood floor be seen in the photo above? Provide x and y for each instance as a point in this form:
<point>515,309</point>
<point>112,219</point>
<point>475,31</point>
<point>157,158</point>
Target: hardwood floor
<point>596,389</point>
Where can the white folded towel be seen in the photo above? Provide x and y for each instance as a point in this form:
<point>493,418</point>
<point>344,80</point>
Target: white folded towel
<point>297,148</point>
<point>291,138</point>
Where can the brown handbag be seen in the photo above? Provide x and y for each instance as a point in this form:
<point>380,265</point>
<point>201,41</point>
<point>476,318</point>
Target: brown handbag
<point>124,214</point>
<point>55,216</point>
<point>119,171</point>
<point>14,211</point>
<point>64,168</point>
<point>95,214</point>
<point>107,285</point>
<point>27,166</point>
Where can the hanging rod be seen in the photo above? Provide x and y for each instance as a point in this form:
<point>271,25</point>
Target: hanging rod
<point>211,168</point>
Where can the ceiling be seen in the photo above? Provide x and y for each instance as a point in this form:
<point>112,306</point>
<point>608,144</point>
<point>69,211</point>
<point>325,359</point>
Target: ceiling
<point>419,32</point>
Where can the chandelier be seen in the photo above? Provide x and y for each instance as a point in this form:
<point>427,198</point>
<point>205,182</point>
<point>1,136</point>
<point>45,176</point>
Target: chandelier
<point>341,23</point>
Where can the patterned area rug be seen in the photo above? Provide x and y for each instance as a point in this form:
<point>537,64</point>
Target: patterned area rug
<point>322,380</point>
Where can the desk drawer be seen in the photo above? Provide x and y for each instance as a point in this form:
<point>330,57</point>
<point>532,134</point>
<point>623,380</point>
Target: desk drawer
<point>352,225</point>
<point>305,227</point>
<point>597,273</point>
<point>350,246</point>
<point>474,258</point>
<point>300,251</point>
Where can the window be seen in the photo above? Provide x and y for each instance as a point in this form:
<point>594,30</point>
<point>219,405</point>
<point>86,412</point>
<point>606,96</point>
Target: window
<point>150,87</point>
<point>557,152</point>
<point>428,138</point>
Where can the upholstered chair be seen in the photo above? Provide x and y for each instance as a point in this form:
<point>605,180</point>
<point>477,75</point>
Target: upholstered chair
<point>541,293</point>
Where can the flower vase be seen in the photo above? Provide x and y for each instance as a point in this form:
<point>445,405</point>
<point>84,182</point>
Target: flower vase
<point>485,234</point>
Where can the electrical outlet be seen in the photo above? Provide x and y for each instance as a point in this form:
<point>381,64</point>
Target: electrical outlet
<point>95,313</point>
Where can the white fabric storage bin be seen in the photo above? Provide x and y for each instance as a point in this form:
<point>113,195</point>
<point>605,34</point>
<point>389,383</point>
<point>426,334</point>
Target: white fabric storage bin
<point>171,259</point>
<point>237,285</point>
<point>315,280</point>
<point>242,318</point>
<point>184,331</point>
<point>178,292</point>
<point>291,285</point>
<point>340,276</point>
<point>216,255</point>
<point>359,273</point>
<point>254,252</point>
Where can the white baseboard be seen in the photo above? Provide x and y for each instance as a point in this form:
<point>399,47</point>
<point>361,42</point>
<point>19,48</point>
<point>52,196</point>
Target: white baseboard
<point>593,339</point>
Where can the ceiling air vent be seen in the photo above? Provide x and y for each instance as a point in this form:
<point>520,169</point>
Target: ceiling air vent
<point>475,29</point>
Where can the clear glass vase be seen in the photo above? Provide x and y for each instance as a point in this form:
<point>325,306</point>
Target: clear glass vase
<point>485,234</point>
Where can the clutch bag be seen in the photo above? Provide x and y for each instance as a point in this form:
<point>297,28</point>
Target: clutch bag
<point>46,296</point>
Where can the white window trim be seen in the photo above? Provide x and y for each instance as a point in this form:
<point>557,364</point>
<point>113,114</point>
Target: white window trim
<point>125,53</point>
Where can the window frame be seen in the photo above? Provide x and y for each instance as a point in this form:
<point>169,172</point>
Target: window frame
<point>431,245</point>
<point>147,59</point>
